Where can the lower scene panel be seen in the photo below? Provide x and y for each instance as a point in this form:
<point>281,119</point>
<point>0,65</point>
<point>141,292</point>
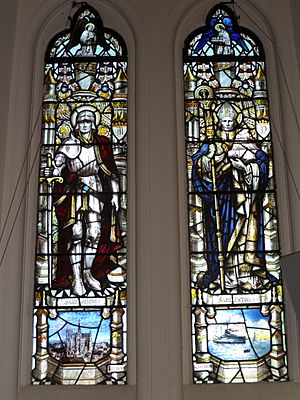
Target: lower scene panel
<point>238,344</point>
<point>82,347</point>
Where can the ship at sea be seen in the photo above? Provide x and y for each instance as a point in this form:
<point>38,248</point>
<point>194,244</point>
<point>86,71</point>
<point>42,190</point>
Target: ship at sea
<point>230,336</point>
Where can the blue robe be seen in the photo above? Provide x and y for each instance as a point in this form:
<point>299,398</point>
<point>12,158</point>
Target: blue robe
<point>227,202</point>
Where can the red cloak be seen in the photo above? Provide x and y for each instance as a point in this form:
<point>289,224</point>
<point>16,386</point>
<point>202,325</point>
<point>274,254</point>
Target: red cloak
<point>63,195</point>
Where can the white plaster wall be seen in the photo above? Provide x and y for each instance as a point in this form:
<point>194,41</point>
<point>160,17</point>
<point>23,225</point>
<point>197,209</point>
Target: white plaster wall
<point>158,277</point>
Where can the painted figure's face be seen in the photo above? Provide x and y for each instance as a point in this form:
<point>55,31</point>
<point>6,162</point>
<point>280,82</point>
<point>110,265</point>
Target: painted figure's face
<point>85,126</point>
<point>85,122</point>
<point>227,124</point>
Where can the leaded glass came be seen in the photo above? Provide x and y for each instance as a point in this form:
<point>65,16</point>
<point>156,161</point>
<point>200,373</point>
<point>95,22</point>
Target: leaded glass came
<point>236,288</point>
<point>80,323</point>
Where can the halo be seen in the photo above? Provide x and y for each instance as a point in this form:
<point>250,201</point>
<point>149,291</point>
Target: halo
<point>204,89</point>
<point>206,94</point>
<point>89,24</point>
<point>84,108</point>
<point>220,26</point>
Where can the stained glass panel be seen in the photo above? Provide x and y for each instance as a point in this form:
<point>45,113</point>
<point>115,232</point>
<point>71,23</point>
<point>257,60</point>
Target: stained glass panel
<point>80,316</point>
<point>237,308</point>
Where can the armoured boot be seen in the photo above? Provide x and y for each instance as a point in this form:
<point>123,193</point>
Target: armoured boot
<point>88,279</point>
<point>78,286</point>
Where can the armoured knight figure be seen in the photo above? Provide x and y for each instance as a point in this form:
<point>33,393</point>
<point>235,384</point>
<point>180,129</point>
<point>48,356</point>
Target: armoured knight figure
<point>85,205</point>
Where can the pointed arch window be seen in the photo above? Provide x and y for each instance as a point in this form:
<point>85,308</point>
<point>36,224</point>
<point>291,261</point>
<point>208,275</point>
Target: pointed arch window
<point>237,309</point>
<point>79,322</point>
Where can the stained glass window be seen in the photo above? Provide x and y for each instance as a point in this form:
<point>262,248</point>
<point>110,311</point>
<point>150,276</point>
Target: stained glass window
<point>237,309</point>
<point>79,322</point>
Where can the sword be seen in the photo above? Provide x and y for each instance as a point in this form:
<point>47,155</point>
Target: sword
<point>50,180</point>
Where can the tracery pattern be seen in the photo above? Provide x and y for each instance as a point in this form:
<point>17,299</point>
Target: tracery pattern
<point>236,288</point>
<point>80,323</point>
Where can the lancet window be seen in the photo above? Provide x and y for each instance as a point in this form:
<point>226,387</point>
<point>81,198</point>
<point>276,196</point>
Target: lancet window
<point>80,317</point>
<point>237,309</point>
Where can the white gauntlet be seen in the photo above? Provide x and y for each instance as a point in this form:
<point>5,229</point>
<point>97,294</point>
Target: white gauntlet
<point>58,164</point>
